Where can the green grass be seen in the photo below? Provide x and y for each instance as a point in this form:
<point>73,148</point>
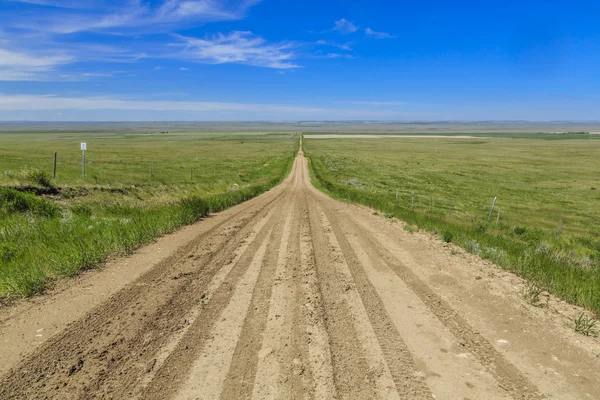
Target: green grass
<point>538,183</point>
<point>57,227</point>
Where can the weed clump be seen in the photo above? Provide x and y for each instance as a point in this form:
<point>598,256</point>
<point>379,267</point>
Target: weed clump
<point>39,177</point>
<point>532,293</point>
<point>13,201</point>
<point>585,325</point>
<point>519,230</point>
<point>410,228</point>
<point>447,236</point>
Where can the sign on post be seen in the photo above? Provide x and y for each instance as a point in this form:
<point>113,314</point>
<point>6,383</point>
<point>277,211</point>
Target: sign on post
<point>83,149</point>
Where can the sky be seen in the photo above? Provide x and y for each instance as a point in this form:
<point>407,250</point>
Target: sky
<point>244,60</point>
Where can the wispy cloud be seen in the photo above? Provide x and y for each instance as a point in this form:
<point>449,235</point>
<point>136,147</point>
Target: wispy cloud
<point>34,103</point>
<point>344,26</point>
<point>75,4</point>
<point>339,55</point>
<point>64,17</point>
<point>331,43</point>
<point>240,48</point>
<point>20,66</point>
<point>378,35</point>
<point>379,103</point>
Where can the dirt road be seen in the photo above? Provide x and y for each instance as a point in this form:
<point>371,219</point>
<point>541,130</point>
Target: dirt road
<point>294,295</point>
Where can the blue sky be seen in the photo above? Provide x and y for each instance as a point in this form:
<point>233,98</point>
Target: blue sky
<point>103,60</point>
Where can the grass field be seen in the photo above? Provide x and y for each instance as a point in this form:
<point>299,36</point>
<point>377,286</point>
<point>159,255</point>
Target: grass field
<point>51,228</point>
<point>453,182</point>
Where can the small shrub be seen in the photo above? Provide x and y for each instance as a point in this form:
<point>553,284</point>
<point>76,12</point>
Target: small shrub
<point>39,177</point>
<point>447,236</point>
<point>585,325</point>
<point>519,230</point>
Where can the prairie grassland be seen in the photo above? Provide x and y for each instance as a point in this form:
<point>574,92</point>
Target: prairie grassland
<point>51,228</point>
<point>453,182</point>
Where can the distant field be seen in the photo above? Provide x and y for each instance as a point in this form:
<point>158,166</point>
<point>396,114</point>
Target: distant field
<point>74,223</point>
<point>454,135</point>
<point>378,136</point>
<point>537,182</point>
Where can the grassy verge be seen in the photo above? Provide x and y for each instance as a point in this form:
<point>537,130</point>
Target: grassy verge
<point>46,237</point>
<point>534,193</point>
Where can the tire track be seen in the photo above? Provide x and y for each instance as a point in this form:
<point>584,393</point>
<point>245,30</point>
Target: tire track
<point>144,351</point>
<point>173,373</point>
<point>277,332</point>
<point>397,375</point>
<point>352,376</point>
<point>208,374</point>
<point>193,314</point>
<point>241,377</point>
<point>507,375</point>
<point>320,384</point>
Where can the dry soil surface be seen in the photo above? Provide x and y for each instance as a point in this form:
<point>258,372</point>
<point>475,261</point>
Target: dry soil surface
<point>293,295</point>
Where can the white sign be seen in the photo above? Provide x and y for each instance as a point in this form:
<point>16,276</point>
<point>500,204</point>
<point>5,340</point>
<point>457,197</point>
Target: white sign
<point>83,146</point>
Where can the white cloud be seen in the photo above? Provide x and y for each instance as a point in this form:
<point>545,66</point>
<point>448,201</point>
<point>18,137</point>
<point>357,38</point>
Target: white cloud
<point>344,26</point>
<point>20,66</point>
<point>41,103</point>
<point>338,55</point>
<point>129,15</point>
<point>378,35</point>
<point>240,48</point>
<point>380,103</point>
<point>50,102</point>
<point>331,43</point>
<point>184,69</point>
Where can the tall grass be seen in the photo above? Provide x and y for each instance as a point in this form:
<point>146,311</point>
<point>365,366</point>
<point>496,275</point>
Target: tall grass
<point>568,266</point>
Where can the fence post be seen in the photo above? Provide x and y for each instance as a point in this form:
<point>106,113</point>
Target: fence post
<point>498,219</point>
<point>560,226</point>
<point>492,210</point>
<point>450,210</point>
<point>191,174</point>
<point>396,194</point>
<point>54,170</point>
<point>150,171</point>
